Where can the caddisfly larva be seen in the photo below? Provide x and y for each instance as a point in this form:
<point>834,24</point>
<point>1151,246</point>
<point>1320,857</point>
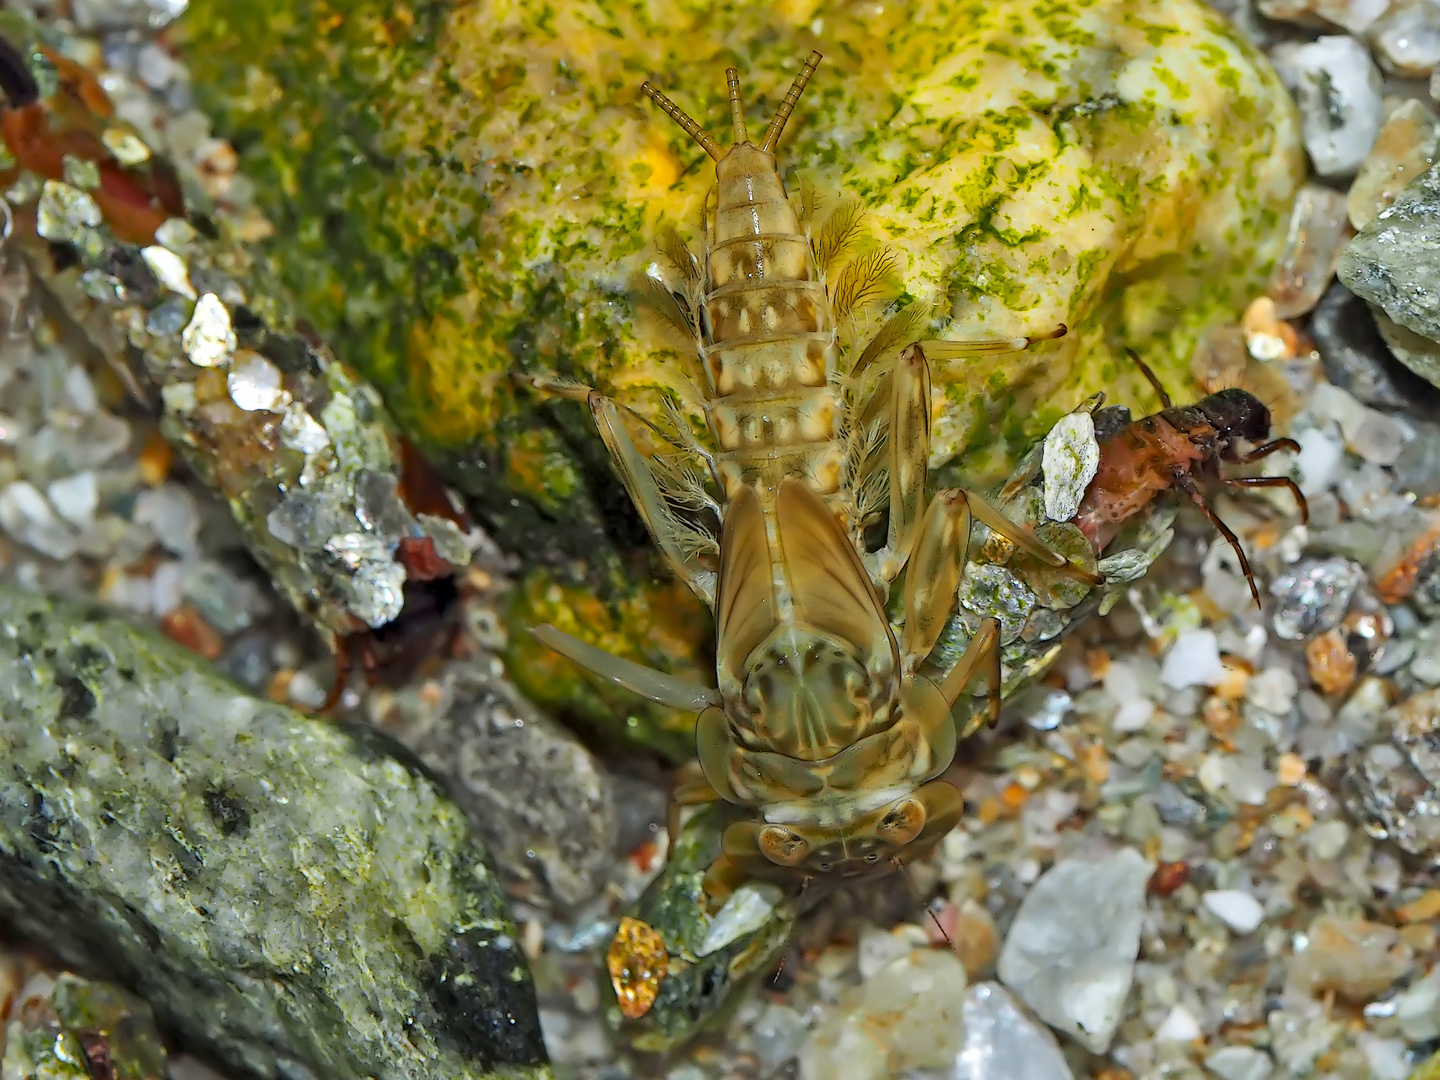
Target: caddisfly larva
<point>820,724</point>
<point>1170,450</point>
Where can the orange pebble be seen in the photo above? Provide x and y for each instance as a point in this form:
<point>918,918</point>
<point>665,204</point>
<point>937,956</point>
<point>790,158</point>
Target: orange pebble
<point>1332,664</point>
<point>186,626</point>
<point>156,458</point>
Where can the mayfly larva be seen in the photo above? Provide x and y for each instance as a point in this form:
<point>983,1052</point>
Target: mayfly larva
<point>1169,450</point>
<point>820,726</point>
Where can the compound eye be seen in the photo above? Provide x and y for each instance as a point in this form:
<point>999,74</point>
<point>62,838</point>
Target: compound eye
<point>903,823</point>
<point>781,846</point>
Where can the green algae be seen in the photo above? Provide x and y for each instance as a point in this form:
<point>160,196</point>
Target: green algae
<point>461,191</point>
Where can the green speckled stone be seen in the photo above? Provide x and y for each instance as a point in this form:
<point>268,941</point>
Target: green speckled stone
<point>464,189</point>
<point>461,191</point>
<point>290,897</point>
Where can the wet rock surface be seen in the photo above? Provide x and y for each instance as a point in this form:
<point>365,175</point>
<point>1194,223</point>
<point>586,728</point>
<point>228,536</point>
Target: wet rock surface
<point>543,805</point>
<point>283,893</point>
<point>1391,264</point>
<point>1070,953</point>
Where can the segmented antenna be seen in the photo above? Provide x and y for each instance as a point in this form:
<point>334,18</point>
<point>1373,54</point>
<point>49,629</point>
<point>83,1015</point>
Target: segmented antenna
<point>782,114</point>
<point>694,130</point>
<point>737,110</point>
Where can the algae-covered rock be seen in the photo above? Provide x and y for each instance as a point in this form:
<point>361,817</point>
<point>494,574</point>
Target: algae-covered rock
<point>464,191</point>
<point>290,897</point>
<point>461,190</point>
<point>68,1028</point>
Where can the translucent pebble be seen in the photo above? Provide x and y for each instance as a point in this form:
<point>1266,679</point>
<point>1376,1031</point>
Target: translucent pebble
<point>1273,690</point>
<point>1002,1041</point>
<point>907,1017</point>
<point>300,431</point>
<point>1377,438</point>
<point>1355,958</point>
<point>1070,953</point>
<point>1240,1063</point>
<point>1179,1026</point>
<point>356,548</point>
<point>1070,460</point>
<point>746,910</point>
<point>877,949</point>
<point>1133,716</point>
<point>166,587</point>
<point>1407,37</point>
<point>75,498</point>
<point>63,211</point>
<point>1327,839</point>
<point>1235,908</point>
<point>305,691</point>
<point>170,270</point>
<point>80,391</point>
<point>1194,660</point>
<point>28,518</point>
<point>1313,596</point>
<point>1418,1009</point>
<point>169,512</point>
<point>255,384</point>
<point>376,593</point>
<point>1338,89</point>
<point>1403,150</point>
<point>777,1035</point>
<point>1319,227</point>
<point>1318,463</point>
<point>208,339</point>
<point>222,599</point>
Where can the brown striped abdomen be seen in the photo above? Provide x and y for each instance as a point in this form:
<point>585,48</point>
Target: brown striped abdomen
<point>769,337</point>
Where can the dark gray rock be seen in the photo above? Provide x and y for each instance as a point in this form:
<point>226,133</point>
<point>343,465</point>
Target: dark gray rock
<point>1356,357</point>
<point>294,899</point>
<point>1393,263</point>
<point>544,807</point>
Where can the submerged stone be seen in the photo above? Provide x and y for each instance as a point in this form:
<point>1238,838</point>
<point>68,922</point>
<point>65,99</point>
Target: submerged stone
<point>1391,262</point>
<point>1070,953</point>
<point>1124,167</point>
<point>290,897</point>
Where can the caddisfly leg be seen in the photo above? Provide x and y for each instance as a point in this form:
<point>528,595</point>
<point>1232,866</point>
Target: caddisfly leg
<point>343,667</point>
<point>1185,484</point>
<point>1268,449</point>
<point>1272,482</point>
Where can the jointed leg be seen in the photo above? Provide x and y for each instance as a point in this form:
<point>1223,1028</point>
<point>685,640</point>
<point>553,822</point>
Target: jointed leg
<point>1003,526</point>
<point>691,789</point>
<point>343,665</point>
<point>1272,482</point>
<point>1269,448</point>
<point>638,477</point>
<point>984,649</point>
<point>1187,486</point>
<point>909,458</point>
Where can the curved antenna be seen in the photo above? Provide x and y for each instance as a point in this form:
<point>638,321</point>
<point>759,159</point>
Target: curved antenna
<point>782,114</point>
<point>694,130</point>
<point>737,110</point>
